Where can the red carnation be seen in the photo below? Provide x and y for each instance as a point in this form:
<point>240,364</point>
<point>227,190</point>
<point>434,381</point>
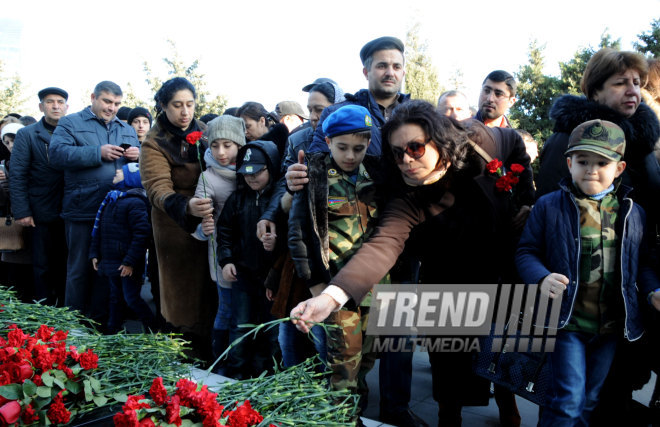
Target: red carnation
<point>44,333</point>
<point>244,415</point>
<point>147,422</point>
<point>503,184</point>
<point>493,166</point>
<point>29,416</point>
<point>9,412</point>
<point>158,392</point>
<point>193,137</point>
<point>517,169</point>
<point>133,402</point>
<point>89,360</point>
<point>173,411</point>
<point>128,418</point>
<point>16,337</point>
<point>57,413</point>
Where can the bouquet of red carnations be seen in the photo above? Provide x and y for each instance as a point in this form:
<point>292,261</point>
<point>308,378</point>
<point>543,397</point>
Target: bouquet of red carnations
<point>43,381</point>
<point>190,404</point>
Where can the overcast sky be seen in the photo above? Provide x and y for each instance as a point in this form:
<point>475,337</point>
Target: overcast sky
<point>261,51</point>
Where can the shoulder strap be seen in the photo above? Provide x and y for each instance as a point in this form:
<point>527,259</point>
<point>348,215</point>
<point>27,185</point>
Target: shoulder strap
<point>484,155</point>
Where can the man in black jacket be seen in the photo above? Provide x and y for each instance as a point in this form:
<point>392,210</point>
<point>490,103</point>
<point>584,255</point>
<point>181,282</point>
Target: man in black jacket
<point>36,196</point>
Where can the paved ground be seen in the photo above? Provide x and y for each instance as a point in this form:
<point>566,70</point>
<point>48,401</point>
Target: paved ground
<point>425,407</point>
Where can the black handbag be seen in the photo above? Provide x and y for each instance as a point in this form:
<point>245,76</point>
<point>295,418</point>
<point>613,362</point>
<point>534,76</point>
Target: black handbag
<point>526,373</point>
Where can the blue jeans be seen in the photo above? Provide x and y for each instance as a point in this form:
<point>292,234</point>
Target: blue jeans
<point>130,289</point>
<point>223,316</point>
<point>579,364</point>
<point>295,345</point>
<point>84,291</point>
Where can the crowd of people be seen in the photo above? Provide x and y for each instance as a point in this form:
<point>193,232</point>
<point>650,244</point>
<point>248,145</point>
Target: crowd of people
<point>254,215</point>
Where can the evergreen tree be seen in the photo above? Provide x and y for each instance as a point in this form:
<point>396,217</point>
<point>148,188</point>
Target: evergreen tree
<point>176,68</point>
<point>421,75</point>
<point>535,94</point>
<point>11,93</point>
<point>650,41</point>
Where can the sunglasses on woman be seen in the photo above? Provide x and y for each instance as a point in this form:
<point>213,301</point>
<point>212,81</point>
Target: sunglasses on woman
<point>414,149</point>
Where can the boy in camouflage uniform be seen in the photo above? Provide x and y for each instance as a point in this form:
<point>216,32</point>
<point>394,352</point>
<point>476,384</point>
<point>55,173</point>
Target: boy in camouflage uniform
<point>585,241</point>
<point>328,222</point>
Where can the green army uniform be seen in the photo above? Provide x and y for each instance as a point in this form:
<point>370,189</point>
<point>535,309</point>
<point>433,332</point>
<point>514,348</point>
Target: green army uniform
<point>598,305</point>
<point>352,210</point>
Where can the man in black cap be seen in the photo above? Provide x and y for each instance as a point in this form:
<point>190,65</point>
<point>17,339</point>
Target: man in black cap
<point>36,196</point>
<point>383,66</point>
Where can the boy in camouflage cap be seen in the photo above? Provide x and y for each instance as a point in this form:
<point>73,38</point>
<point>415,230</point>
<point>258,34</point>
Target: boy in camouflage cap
<point>328,222</point>
<point>582,245</point>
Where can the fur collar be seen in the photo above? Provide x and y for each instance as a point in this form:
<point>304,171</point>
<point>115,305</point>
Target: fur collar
<point>642,130</point>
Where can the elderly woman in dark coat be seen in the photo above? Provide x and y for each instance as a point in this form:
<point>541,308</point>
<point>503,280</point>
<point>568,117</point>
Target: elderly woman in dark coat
<point>170,169</point>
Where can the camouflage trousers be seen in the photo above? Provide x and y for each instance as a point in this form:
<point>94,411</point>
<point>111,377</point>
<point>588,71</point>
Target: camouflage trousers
<point>350,354</point>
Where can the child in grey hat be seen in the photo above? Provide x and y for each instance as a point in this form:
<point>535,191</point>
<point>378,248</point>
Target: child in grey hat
<point>226,134</point>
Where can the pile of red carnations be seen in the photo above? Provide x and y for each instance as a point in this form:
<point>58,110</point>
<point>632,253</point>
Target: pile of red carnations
<point>190,404</point>
<point>41,380</point>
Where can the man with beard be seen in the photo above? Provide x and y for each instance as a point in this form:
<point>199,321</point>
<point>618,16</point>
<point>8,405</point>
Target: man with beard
<point>498,94</point>
<point>383,67</point>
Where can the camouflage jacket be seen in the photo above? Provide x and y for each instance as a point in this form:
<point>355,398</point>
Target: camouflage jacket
<point>551,244</point>
<point>332,216</point>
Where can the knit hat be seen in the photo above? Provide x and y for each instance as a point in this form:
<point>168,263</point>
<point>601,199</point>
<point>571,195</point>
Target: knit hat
<point>10,128</point>
<point>131,177</point>
<point>226,127</point>
<point>139,112</point>
<point>347,119</point>
<point>52,91</point>
<point>122,113</point>
<point>600,137</point>
<point>380,43</point>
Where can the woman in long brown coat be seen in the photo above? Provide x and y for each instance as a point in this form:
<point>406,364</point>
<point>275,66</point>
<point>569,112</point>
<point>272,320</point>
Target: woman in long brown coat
<point>170,168</point>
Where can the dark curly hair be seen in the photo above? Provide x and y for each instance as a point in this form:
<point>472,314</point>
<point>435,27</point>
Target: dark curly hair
<point>449,136</point>
<point>169,88</point>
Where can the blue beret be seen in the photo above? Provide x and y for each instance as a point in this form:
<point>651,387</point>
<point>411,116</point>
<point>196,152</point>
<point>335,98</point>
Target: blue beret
<point>347,119</point>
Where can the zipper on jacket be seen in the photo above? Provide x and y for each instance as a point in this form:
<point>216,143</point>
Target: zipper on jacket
<point>623,234</point>
<point>576,281</point>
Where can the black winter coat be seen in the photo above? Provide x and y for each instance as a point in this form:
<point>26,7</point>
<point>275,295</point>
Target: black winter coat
<point>36,188</point>
<point>123,234</point>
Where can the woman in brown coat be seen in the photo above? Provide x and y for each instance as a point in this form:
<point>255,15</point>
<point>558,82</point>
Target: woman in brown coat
<point>170,168</point>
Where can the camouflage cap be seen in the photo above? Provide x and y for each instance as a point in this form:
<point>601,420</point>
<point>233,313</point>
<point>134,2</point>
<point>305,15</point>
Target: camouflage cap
<point>600,137</point>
